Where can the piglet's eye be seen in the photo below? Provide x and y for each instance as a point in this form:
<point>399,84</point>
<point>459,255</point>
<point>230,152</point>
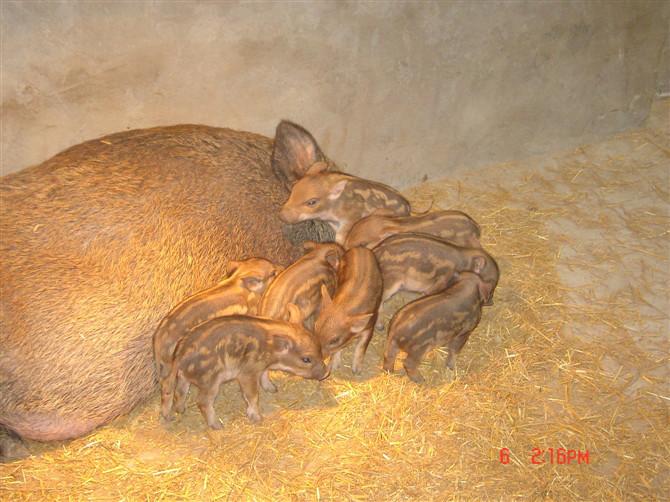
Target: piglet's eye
<point>307,360</point>
<point>311,202</point>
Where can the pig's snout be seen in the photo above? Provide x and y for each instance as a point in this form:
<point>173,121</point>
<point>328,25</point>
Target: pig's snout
<point>322,372</point>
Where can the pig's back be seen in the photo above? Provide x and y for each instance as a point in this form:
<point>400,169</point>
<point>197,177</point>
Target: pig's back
<point>99,242</point>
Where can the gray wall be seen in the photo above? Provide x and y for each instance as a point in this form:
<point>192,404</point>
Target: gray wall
<point>393,91</point>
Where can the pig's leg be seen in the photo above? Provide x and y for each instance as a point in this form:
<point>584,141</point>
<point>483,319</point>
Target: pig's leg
<point>395,285</point>
<point>266,383</point>
<point>167,393</point>
<point>411,364</point>
<point>206,396</point>
<point>390,354</point>
<point>180,393</point>
<point>249,388</point>
<point>335,361</point>
<point>455,346</point>
<point>359,351</point>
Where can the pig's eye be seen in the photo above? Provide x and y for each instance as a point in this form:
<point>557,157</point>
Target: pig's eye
<point>334,341</point>
<point>311,202</point>
<point>306,360</point>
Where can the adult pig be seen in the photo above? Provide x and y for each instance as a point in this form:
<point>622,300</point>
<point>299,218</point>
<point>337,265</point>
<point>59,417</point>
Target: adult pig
<point>101,240</point>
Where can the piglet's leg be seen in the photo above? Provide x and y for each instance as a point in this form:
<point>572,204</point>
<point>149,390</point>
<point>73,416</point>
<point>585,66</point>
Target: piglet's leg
<point>390,355</point>
<point>395,285</point>
<point>266,383</point>
<point>412,362</point>
<point>180,393</point>
<point>249,388</point>
<point>335,361</point>
<point>208,393</point>
<point>455,346</point>
<point>359,351</point>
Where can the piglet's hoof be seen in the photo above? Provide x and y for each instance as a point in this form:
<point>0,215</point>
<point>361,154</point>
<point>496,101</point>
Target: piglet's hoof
<point>415,376</point>
<point>216,425</point>
<point>254,418</point>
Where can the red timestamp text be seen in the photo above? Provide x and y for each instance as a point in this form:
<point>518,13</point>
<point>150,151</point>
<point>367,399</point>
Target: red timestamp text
<point>554,456</point>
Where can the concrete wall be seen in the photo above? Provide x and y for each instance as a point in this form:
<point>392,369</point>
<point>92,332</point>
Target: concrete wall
<point>393,91</point>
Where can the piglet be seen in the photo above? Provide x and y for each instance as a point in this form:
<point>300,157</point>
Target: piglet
<point>353,310</point>
<point>339,199</point>
<point>445,319</point>
<point>300,283</point>
<point>454,227</point>
<point>242,348</point>
<point>424,264</point>
<point>238,293</point>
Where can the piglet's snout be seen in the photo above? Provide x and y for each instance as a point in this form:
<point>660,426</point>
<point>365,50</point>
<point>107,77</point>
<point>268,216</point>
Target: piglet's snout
<point>322,372</point>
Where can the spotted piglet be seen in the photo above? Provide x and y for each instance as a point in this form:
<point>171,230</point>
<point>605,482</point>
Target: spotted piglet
<point>353,310</point>
<point>300,283</point>
<point>242,348</point>
<point>339,199</point>
<point>454,227</point>
<point>423,264</point>
<point>238,293</point>
<point>445,319</point>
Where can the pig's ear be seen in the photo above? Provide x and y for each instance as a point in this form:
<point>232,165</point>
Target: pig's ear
<point>478,264</point>
<point>333,258</point>
<point>326,300</point>
<point>485,292</point>
<point>294,314</point>
<point>232,267</point>
<point>253,284</point>
<point>316,168</point>
<point>359,322</point>
<point>295,151</point>
<point>282,343</point>
<point>337,189</point>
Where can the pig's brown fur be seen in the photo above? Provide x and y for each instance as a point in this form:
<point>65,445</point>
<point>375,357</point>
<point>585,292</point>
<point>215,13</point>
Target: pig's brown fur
<point>454,227</point>
<point>424,264</point>
<point>341,200</point>
<point>300,283</point>
<point>353,310</point>
<point>242,348</point>
<point>99,242</point>
<point>445,319</point>
<point>239,293</point>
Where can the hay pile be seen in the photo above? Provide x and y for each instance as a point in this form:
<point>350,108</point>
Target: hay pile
<point>553,364</point>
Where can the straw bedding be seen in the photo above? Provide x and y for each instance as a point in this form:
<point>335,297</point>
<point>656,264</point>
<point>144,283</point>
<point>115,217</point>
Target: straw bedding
<point>574,355</point>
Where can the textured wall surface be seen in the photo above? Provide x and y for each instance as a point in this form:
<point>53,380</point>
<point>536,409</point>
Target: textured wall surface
<point>393,91</point>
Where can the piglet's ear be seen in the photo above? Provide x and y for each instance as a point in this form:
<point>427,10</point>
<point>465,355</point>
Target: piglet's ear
<point>294,314</point>
<point>326,300</point>
<point>282,343</point>
<point>316,168</point>
<point>232,267</point>
<point>337,189</point>
<point>478,264</point>
<point>294,152</point>
<point>309,245</point>
<point>333,258</point>
<point>486,293</point>
<point>253,284</point>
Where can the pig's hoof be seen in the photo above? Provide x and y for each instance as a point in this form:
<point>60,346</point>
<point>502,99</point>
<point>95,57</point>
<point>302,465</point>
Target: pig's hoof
<point>216,425</point>
<point>356,368</point>
<point>415,377</point>
<point>166,418</point>
<point>379,326</point>
<point>254,418</point>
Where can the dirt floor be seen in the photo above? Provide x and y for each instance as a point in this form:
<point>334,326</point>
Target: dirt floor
<point>572,358</point>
